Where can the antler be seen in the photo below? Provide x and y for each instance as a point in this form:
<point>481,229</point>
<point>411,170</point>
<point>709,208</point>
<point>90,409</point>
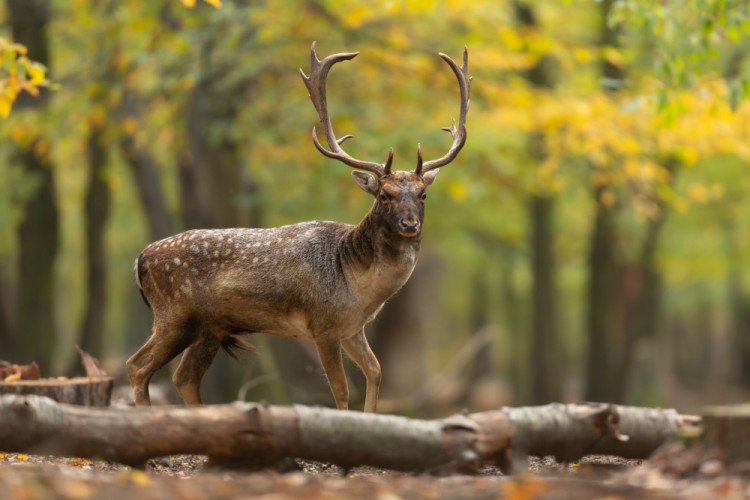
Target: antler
<point>316,85</point>
<point>457,132</point>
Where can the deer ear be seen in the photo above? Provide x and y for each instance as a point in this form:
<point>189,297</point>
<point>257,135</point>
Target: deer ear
<point>429,177</point>
<point>366,182</point>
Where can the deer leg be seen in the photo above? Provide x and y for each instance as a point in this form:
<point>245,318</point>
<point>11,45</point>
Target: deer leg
<point>329,351</point>
<point>195,361</point>
<point>359,350</point>
<point>164,344</point>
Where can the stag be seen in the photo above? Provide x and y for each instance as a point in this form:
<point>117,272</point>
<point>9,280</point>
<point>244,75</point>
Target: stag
<point>319,281</point>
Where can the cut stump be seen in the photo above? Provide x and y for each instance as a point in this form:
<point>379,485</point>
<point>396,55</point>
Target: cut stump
<point>82,391</point>
<point>93,390</point>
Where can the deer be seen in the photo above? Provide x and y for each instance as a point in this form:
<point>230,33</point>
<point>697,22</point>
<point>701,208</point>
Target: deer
<point>319,280</point>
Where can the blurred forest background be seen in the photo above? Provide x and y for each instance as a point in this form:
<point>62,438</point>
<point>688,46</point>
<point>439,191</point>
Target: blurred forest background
<point>591,241</point>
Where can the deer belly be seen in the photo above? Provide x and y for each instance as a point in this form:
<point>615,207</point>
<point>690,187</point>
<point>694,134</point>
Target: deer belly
<point>294,324</point>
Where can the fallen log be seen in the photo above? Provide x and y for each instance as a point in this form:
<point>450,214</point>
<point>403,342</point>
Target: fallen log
<point>257,434</point>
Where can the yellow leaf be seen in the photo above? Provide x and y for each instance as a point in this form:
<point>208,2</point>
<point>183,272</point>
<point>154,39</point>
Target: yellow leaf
<point>188,3</point>
<point>582,55</point>
<point>21,456</point>
<point>36,74</point>
<point>140,478</point>
<point>457,191</point>
<point>612,55</point>
<point>13,376</point>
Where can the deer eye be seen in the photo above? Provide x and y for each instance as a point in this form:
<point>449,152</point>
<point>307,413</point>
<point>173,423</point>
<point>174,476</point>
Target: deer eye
<point>423,196</point>
<point>383,196</point>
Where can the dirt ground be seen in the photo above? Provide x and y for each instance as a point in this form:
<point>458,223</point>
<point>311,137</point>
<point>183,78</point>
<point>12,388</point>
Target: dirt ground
<point>191,477</point>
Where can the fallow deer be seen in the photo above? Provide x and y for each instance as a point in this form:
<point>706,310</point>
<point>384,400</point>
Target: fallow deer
<point>320,281</point>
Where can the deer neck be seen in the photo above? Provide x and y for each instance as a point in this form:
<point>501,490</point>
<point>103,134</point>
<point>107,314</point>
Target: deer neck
<point>376,260</point>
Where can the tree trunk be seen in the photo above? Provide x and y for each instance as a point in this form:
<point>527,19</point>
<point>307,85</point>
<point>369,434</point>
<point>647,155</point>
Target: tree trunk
<point>97,212</point>
<point>6,332</point>
<point>145,175</point>
<point>261,435</point>
<point>606,357</point>
<point>602,325</point>
<point>34,332</point>
<point>546,356</point>
<point>214,170</point>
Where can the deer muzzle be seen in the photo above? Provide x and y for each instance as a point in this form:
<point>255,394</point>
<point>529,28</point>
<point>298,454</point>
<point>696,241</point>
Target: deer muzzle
<point>409,227</point>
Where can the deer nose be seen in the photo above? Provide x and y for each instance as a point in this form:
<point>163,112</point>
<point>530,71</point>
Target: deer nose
<point>409,227</point>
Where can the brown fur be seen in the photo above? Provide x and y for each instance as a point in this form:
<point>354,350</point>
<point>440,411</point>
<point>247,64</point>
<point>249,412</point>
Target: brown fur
<point>321,281</point>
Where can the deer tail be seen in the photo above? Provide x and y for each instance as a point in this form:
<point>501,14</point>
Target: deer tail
<point>137,276</point>
<point>232,344</point>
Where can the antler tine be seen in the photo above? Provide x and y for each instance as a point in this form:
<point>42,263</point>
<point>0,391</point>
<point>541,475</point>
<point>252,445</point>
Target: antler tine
<point>458,132</point>
<point>316,86</point>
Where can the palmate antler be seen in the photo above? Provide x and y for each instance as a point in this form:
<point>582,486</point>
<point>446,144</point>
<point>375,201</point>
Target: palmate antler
<point>316,85</point>
<point>457,132</point>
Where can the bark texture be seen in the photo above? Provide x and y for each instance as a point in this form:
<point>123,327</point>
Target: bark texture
<point>83,391</point>
<point>546,356</point>
<point>38,233</point>
<point>97,211</point>
<point>252,434</point>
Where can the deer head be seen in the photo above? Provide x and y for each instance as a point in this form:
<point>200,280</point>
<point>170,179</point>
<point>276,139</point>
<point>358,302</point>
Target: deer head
<point>400,195</point>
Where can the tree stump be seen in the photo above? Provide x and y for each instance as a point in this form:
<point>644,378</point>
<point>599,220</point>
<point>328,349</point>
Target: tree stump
<point>83,391</point>
<point>727,429</point>
<point>93,390</point>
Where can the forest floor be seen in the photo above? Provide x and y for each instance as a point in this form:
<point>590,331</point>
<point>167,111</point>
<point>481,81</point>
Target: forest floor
<point>190,477</point>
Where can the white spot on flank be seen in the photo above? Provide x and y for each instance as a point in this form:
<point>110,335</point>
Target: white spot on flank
<point>229,240</point>
<point>227,251</point>
<point>265,259</point>
<point>255,260</point>
<point>171,279</point>
<point>214,264</point>
<point>257,244</point>
<point>279,240</point>
<point>195,248</point>
<point>194,271</point>
<point>219,237</point>
<point>192,236</point>
<point>268,243</point>
<point>177,261</point>
<point>166,267</point>
<point>216,253</point>
<point>184,264</point>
